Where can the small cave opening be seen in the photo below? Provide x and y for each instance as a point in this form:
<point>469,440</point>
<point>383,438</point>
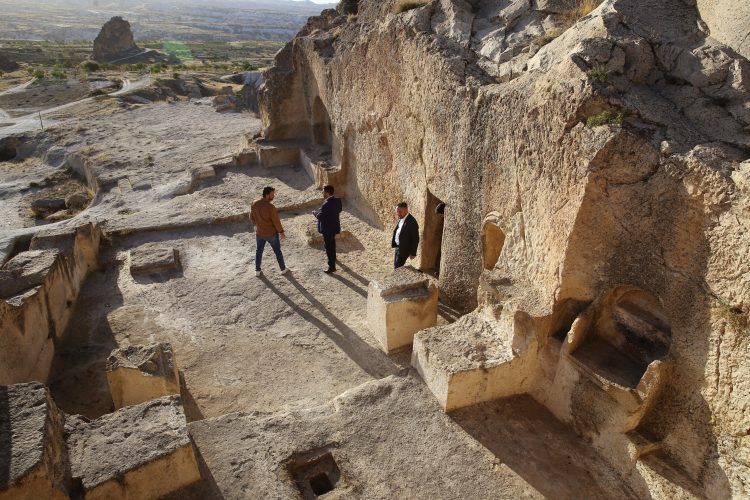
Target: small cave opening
<point>8,149</point>
<point>493,239</point>
<point>321,484</point>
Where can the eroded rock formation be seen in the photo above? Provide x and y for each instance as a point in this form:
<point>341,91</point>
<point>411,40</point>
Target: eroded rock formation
<point>594,166</point>
<point>115,44</point>
<point>114,41</point>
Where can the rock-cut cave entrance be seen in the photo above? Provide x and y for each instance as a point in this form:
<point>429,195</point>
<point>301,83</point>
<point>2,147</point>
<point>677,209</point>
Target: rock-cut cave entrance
<point>432,237</point>
<point>322,130</point>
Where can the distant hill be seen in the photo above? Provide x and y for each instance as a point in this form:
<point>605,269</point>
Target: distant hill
<point>186,20</point>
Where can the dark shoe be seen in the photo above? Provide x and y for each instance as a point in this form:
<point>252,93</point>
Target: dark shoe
<point>330,270</point>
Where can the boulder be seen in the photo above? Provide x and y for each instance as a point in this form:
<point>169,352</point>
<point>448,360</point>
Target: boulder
<point>45,206</point>
<point>77,200</point>
<point>7,64</point>
<point>32,451</point>
<point>141,451</point>
<point>114,41</point>
<point>136,374</point>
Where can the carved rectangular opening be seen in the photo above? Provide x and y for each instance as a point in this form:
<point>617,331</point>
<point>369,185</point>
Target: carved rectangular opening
<point>315,473</point>
<point>432,235</point>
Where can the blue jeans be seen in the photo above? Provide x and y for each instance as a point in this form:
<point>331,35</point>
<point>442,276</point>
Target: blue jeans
<point>275,243</point>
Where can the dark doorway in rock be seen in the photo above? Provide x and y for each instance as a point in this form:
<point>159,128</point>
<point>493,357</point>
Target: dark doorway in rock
<point>322,130</point>
<point>432,234</point>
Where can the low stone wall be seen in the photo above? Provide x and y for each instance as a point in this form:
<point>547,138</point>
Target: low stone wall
<point>40,289</point>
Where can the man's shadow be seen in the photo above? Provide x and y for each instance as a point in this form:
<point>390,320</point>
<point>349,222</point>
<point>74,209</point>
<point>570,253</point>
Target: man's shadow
<point>369,359</point>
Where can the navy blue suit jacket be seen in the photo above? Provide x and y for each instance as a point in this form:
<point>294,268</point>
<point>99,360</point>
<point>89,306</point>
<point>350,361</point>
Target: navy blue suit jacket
<point>328,216</point>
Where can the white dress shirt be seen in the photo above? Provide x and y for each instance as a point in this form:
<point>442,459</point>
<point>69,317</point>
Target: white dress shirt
<point>398,230</point>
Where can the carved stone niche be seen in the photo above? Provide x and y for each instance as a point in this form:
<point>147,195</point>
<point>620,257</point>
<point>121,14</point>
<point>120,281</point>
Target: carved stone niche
<point>622,343</point>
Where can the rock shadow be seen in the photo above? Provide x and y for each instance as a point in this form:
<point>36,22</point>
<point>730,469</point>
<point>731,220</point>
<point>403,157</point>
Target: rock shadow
<point>546,453</point>
<point>370,360</point>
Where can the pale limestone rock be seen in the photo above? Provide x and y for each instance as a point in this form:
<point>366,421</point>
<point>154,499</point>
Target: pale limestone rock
<point>153,258</point>
<point>141,451</point>
<point>33,451</point>
<point>399,305</point>
<point>655,200</point>
<point>136,374</point>
<point>729,22</point>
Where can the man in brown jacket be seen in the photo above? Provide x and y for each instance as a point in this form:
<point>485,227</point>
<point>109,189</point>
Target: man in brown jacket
<point>267,229</point>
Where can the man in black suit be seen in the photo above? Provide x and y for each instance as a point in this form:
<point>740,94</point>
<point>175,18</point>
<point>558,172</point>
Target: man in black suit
<point>329,225</point>
<point>405,237</point>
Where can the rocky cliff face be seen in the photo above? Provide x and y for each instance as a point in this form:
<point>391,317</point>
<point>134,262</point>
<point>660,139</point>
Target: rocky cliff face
<point>578,148</point>
<point>114,41</point>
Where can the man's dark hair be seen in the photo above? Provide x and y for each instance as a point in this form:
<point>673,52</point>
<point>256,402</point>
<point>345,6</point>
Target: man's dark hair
<point>328,189</point>
<point>267,190</point>
<point>402,205</point>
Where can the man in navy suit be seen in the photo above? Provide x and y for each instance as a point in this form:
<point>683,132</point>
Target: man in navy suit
<point>329,225</point>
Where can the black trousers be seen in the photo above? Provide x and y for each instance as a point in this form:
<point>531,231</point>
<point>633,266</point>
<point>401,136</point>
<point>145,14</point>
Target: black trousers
<point>399,260</point>
<point>330,243</point>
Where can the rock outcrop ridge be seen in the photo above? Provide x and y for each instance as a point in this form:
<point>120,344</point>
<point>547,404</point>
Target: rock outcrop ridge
<point>115,44</point>
<point>578,150</point>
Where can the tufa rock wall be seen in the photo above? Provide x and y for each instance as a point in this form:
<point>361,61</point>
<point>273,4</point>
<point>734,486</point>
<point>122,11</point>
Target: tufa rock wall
<point>577,152</point>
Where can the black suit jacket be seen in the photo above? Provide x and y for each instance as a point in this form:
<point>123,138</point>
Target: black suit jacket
<point>409,237</point>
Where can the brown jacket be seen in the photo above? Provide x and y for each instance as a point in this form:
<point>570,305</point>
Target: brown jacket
<point>266,218</point>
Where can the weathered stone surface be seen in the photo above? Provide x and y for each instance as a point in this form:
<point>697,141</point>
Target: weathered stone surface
<point>141,451</point>
<point>46,206</point>
<point>385,437</point>
<point>469,362</point>
<point>26,270</point>
<point>140,373</point>
<point>77,200</point>
<point>153,258</point>
<point>399,305</point>
<point>44,282</point>
<point>32,451</point>
<point>608,150</point>
<point>729,22</point>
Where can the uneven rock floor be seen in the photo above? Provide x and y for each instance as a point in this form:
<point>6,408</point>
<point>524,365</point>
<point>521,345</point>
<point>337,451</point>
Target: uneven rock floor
<point>278,367</point>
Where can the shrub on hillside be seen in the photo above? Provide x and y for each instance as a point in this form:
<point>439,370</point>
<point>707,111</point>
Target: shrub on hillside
<point>90,66</point>
<point>404,5</point>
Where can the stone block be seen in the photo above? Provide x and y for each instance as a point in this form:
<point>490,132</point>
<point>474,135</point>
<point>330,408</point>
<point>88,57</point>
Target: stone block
<point>26,270</point>
<point>32,448</point>
<point>470,362</point>
<point>400,305</point>
<point>136,374</point>
<point>153,258</point>
<point>141,451</point>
